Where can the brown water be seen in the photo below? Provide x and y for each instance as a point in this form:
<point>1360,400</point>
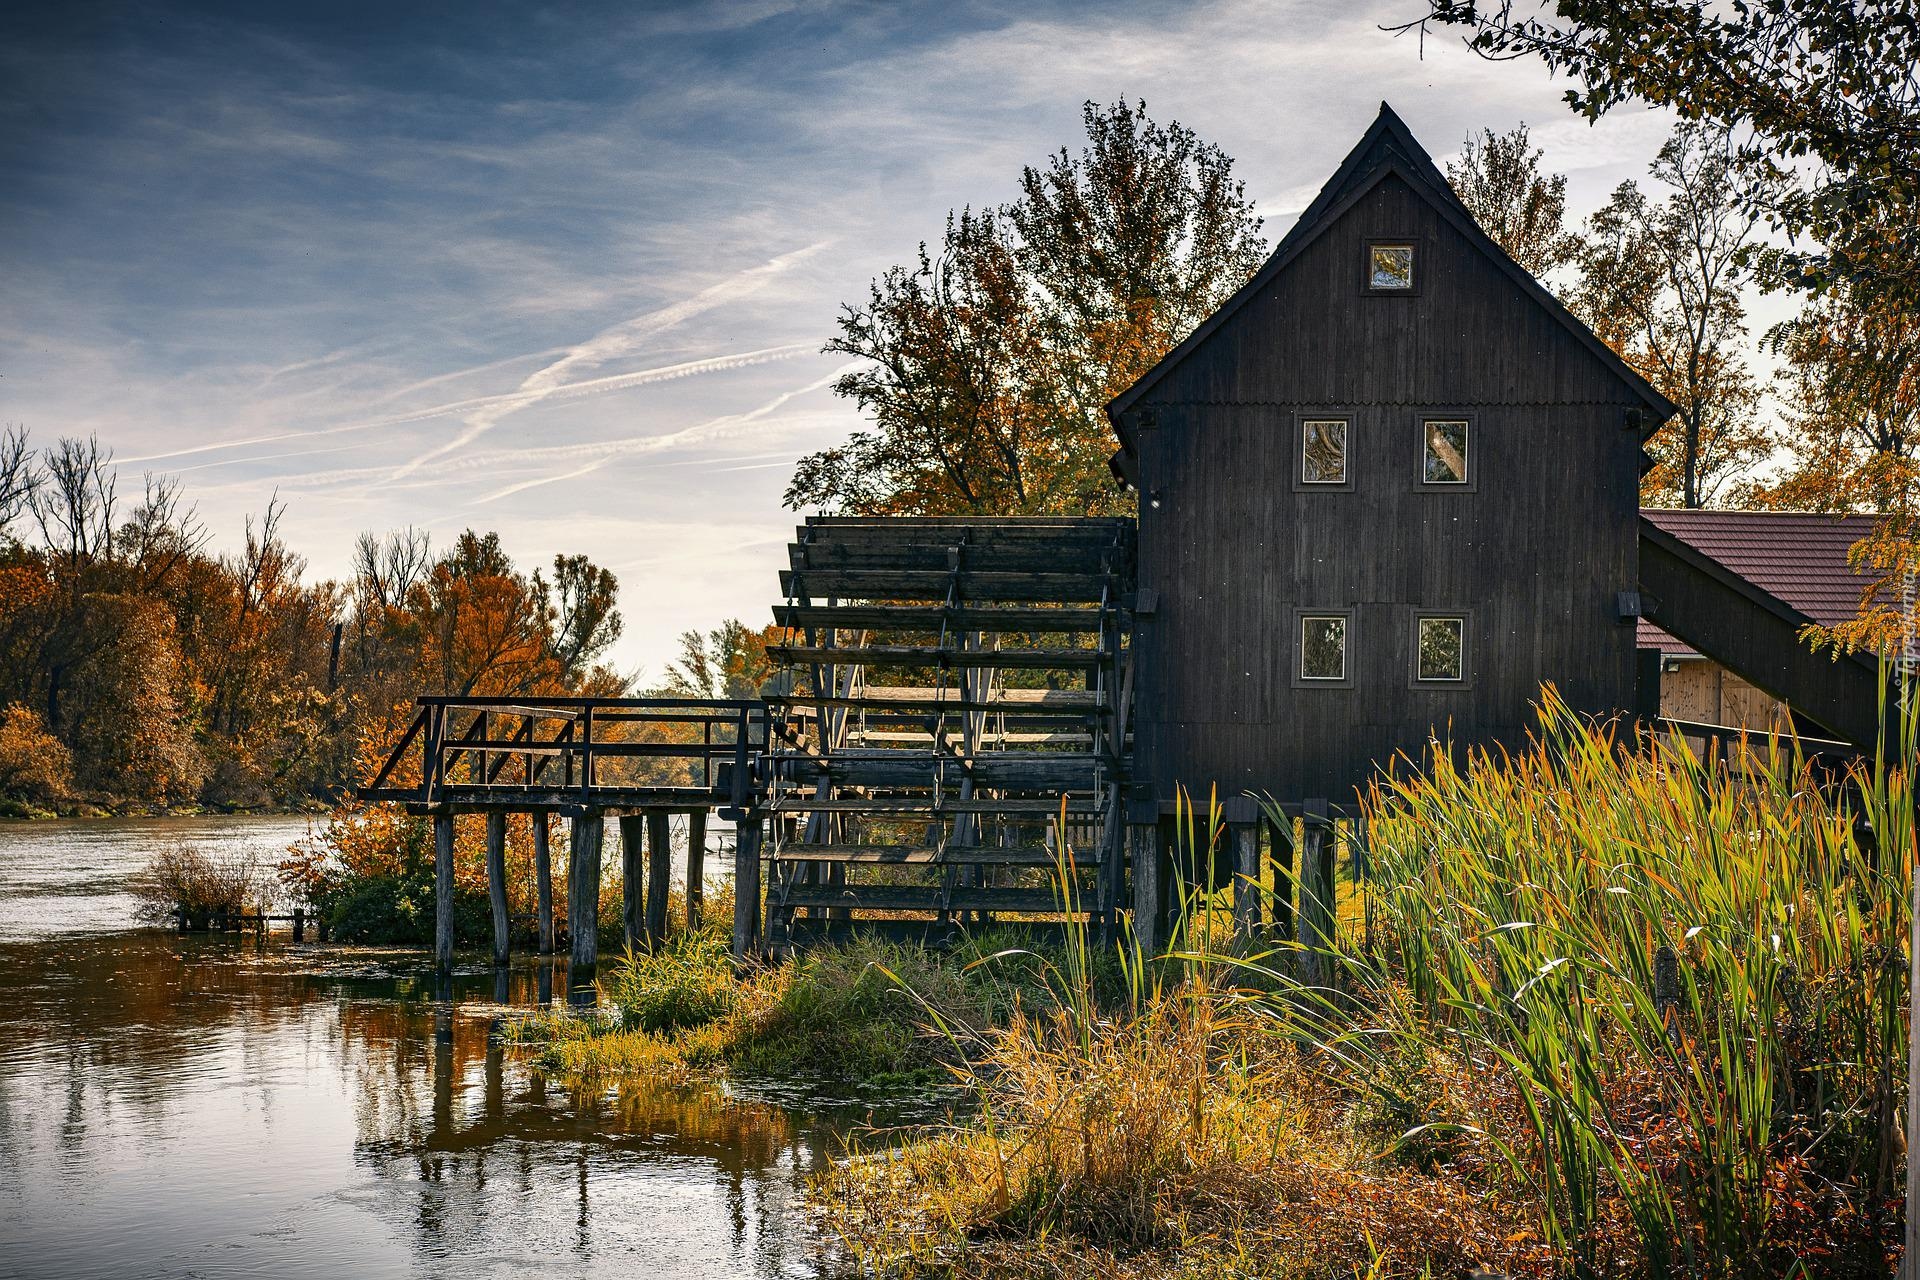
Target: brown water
<point>202,1107</point>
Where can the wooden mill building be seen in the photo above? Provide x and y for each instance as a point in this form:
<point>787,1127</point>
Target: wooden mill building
<point>1386,492</point>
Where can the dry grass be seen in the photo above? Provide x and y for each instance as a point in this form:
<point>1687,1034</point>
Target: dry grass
<point>183,878</point>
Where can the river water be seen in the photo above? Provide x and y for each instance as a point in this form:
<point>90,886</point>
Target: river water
<point>194,1106</point>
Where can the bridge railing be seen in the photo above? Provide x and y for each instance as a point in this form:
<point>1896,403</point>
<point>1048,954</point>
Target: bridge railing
<point>564,752</point>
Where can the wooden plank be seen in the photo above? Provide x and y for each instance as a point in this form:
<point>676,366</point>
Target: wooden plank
<point>1143,858</point>
<point>1317,891</point>
<point>497,885</point>
<point>948,656</point>
<point>885,584</point>
<point>865,897</point>
<point>931,618</point>
<point>1244,839</point>
<point>1016,806</point>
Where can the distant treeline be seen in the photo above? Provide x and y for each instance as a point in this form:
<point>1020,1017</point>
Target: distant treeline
<point>140,669</point>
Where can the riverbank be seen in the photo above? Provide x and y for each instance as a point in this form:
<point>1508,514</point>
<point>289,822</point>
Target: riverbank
<point>13,809</point>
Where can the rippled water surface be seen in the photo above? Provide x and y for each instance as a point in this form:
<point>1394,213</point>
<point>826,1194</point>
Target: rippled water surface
<point>191,1106</point>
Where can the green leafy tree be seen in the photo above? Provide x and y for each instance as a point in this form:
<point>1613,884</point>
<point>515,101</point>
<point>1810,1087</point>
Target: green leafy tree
<point>1498,177</point>
<point>1660,282</point>
<point>986,367</point>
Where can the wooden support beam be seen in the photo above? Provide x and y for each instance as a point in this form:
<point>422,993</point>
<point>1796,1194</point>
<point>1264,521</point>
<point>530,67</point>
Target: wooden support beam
<point>543,879</point>
<point>1317,892</point>
<point>1280,852</point>
<point>1244,840</point>
<point>659,873</point>
<point>633,874</point>
<point>497,884</point>
<point>1143,856</point>
<point>583,894</point>
<point>443,891</point>
<point>746,888</point>
<point>696,865</point>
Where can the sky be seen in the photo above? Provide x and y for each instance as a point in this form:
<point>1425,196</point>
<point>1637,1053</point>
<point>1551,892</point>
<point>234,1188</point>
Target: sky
<point>564,271</point>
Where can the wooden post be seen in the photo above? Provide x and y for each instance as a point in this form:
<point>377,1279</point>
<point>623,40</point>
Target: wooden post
<point>696,865</point>
<point>299,925</point>
<point>543,879</point>
<point>1143,853</point>
<point>497,884</point>
<point>659,873</point>
<point>1280,851</point>
<point>583,893</point>
<point>443,891</point>
<point>746,887</point>
<point>1316,892</point>
<point>1244,838</point>
<point>632,881</point>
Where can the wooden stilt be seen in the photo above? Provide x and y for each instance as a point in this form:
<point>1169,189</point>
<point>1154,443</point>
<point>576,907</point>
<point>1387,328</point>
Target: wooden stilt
<point>1143,854</point>
<point>1280,851</point>
<point>746,888</point>
<point>659,873</point>
<point>299,924</point>
<point>1317,892</point>
<point>696,865</point>
<point>543,880</point>
<point>583,894</point>
<point>1244,839</point>
<point>443,891</point>
<point>497,883</point>
<point>633,881</point>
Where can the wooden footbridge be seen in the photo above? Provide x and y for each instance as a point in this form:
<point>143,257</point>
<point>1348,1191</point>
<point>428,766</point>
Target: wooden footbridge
<point>951,742</point>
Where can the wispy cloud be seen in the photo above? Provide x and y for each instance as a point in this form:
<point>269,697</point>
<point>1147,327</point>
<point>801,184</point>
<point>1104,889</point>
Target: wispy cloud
<point>616,342</point>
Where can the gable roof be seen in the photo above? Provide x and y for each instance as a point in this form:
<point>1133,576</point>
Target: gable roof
<point>1388,148</point>
<point>1796,556</point>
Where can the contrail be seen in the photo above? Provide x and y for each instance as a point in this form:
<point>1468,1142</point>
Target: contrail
<point>620,340</point>
<point>640,445</point>
<point>590,386</point>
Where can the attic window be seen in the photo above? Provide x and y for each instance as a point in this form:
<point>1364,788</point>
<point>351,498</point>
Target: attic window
<point>1390,268</point>
<point>1323,451</point>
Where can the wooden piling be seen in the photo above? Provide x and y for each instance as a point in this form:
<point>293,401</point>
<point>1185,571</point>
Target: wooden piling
<point>746,888</point>
<point>696,865</point>
<point>299,924</point>
<point>1280,852</point>
<point>543,880</point>
<point>443,891</point>
<point>659,873</point>
<point>1244,839</point>
<point>497,884</point>
<point>1317,892</point>
<point>583,894</point>
<point>1143,854</point>
<point>632,881</point>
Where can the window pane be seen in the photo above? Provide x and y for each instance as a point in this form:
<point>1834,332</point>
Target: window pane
<point>1442,642</point>
<point>1446,453</point>
<point>1323,648</point>
<point>1390,266</point>
<point>1323,450</point>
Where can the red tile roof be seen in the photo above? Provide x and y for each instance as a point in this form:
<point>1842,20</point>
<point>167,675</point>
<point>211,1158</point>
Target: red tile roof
<point>1797,556</point>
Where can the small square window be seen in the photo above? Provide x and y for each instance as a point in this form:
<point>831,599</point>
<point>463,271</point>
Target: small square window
<point>1442,645</point>
<point>1446,452</point>
<point>1323,451</point>
<point>1390,268</point>
<point>1323,647</point>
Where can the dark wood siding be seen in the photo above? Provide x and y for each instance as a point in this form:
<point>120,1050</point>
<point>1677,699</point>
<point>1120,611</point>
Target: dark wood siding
<point>1534,554</point>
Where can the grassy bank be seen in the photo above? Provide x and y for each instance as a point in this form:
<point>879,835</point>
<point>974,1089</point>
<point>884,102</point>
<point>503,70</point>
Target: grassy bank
<point>858,1013</point>
<point>1623,1015</point>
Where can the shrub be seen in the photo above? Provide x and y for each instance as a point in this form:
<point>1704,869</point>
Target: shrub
<point>35,766</point>
<point>182,878</point>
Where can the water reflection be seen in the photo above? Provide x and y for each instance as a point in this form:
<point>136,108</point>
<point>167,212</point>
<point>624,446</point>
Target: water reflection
<point>210,1107</point>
